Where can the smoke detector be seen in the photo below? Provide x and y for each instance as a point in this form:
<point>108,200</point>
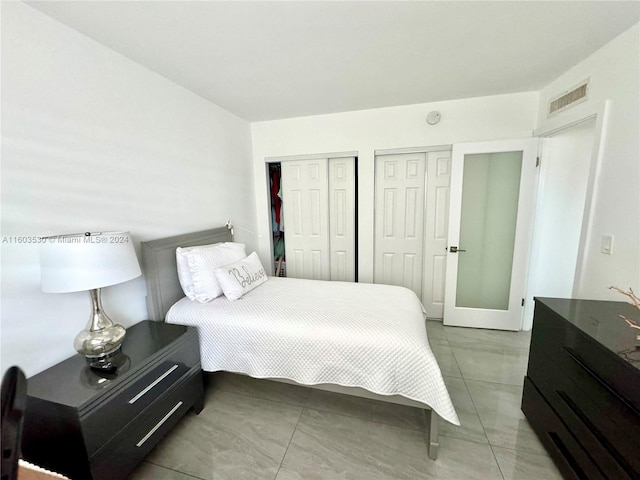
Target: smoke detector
<point>433,117</point>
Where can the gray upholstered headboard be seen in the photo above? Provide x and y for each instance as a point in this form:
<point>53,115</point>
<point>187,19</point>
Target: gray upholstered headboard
<point>160,269</point>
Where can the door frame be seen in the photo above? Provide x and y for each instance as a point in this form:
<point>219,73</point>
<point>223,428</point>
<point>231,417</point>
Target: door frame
<point>568,119</point>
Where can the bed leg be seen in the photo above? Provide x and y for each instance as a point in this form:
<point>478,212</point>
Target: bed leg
<point>432,434</point>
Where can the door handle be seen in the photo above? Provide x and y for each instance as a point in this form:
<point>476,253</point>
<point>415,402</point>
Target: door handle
<point>456,250</point>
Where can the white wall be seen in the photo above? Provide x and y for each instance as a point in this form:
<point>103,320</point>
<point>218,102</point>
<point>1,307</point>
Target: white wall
<point>92,141</point>
<point>476,119</point>
<point>615,79</point>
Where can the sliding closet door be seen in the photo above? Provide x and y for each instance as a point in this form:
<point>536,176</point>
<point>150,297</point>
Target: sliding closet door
<point>435,232</point>
<point>306,216</point>
<point>399,220</point>
<point>342,214</point>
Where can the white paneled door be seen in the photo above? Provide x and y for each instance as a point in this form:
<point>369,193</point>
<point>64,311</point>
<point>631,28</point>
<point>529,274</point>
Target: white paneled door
<point>342,211</point>
<point>399,220</point>
<point>306,215</point>
<point>490,225</point>
<point>318,198</point>
<point>435,232</point>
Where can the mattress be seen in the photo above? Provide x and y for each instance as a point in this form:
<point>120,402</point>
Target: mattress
<point>312,332</point>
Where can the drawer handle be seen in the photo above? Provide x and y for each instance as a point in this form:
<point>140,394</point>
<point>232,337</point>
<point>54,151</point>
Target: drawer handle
<point>151,385</point>
<point>596,433</point>
<point>158,425</point>
<point>571,461</point>
<point>586,368</point>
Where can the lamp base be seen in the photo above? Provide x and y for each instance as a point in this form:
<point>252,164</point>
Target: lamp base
<point>102,337</point>
<point>99,344</point>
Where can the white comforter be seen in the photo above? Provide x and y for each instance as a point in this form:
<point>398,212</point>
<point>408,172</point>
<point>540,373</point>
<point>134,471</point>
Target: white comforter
<point>312,332</point>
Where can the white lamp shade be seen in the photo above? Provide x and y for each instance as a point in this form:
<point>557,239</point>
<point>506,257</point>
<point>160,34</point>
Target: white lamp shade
<point>77,262</point>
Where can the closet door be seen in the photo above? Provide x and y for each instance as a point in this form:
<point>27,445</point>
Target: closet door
<point>342,214</point>
<point>399,220</point>
<point>435,232</point>
<point>306,216</point>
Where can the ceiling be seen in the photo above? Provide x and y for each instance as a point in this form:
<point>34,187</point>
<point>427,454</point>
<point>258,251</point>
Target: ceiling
<point>268,60</point>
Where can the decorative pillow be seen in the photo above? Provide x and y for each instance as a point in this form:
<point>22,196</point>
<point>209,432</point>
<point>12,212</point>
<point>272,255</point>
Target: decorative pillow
<point>184,273</point>
<point>201,263</point>
<point>241,277</point>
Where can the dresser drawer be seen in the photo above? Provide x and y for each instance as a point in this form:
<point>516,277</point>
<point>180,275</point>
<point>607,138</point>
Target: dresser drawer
<point>591,387</point>
<point>609,446</point>
<point>575,351</point>
<point>569,456</point>
<point>116,459</point>
<point>117,412</point>
<point>573,354</point>
<point>549,331</point>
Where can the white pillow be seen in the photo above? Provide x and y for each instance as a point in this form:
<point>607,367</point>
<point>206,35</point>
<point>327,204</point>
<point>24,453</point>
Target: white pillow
<point>241,277</point>
<point>184,273</point>
<point>200,263</point>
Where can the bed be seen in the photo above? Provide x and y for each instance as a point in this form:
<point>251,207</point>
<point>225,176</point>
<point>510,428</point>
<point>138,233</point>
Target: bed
<point>359,339</point>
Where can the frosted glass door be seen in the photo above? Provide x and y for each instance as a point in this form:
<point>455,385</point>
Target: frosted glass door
<point>490,188</point>
<point>490,218</point>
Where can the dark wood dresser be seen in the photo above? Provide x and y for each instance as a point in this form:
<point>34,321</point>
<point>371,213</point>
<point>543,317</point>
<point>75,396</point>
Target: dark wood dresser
<point>582,389</point>
<point>89,425</point>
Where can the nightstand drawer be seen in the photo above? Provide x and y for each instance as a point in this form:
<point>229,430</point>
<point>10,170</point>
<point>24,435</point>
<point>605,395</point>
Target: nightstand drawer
<point>122,453</point>
<point>116,413</point>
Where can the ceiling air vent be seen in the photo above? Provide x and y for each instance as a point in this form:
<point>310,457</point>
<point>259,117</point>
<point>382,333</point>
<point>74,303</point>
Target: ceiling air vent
<point>569,99</point>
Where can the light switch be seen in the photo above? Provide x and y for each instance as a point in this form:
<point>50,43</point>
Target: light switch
<point>606,244</point>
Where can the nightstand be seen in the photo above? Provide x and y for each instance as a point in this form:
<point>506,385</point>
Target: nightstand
<point>89,425</point>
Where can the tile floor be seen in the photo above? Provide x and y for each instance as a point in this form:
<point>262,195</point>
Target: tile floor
<point>258,429</point>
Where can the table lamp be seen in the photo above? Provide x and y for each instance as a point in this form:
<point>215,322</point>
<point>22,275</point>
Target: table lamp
<point>90,261</point>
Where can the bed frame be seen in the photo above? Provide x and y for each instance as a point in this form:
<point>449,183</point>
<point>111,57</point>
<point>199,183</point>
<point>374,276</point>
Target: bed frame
<point>163,290</point>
